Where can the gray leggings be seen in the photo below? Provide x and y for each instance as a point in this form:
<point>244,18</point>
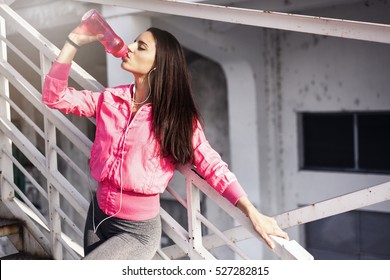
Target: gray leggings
<point>119,239</point>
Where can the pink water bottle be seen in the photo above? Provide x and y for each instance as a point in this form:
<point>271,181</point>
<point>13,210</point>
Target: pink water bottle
<point>95,24</point>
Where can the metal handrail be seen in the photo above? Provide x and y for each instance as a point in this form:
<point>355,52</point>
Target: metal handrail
<point>368,31</point>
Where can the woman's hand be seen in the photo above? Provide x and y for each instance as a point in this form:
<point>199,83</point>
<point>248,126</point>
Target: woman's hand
<point>264,225</point>
<point>79,37</point>
<point>82,37</point>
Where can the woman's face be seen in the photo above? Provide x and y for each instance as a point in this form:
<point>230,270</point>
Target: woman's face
<point>141,55</point>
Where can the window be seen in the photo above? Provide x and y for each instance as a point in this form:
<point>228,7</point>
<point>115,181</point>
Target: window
<point>353,141</point>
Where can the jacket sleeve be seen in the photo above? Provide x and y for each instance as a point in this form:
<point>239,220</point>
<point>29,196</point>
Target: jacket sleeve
<point>56,93</point>
<point>213,169</point>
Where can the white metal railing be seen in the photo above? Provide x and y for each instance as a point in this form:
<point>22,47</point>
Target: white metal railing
<point>42,149</point>
<point>57,230</point>
<point>341,204</point>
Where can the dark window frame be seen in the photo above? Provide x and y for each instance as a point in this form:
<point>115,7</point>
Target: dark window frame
<point>357,119</point>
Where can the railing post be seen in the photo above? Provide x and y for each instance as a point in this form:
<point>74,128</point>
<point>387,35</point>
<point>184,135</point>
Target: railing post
<point>6,166</point>
<point>51,165</point>
<point>196,250</point>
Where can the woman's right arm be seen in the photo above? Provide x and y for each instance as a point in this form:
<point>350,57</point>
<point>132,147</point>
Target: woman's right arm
<point>55,92</point>
<point>67,54</point>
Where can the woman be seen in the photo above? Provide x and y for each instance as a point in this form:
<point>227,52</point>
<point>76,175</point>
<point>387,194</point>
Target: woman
<point>142,131</point>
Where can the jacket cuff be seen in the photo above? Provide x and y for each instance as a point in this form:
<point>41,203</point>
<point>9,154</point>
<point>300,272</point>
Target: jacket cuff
<point>60,71</point>
<point>234,192</point>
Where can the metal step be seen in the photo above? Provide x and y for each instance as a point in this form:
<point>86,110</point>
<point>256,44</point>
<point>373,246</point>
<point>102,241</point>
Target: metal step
<point>9,227</point>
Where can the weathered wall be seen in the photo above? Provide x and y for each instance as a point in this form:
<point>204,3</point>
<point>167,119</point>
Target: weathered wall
<point>319,73</point>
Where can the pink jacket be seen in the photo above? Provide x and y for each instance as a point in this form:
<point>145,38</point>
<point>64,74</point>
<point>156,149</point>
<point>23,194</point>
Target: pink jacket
<point>132,142</point>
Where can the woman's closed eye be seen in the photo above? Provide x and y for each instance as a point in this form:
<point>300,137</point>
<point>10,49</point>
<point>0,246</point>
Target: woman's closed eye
<point>142,46</point>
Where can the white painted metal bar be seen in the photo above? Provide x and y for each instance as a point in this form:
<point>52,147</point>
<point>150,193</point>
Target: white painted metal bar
<point>334,206</point>
<point>70,223</point>
<point>32,153</point>
<point>67,128</point>
<point>25,211</point>
<point>220,234</point>
<point>21,84</point>
<point>72,195</point>
<point>25,200</point>
<point>74,249</point>
<point>290,250</point>
<point>367,31</point>
<point>196,249</point>
<point>53,193</point>
<point>32,221</point>
<point>173,252</point>
<point>5,113</point>
<point>73,165</point>
<point>161,253</point>
<point>175,231</point>
<point>177,196</point>
<point>236,234</point>
<point>25,173</point>
<point>20,54</point>
<point>22,114</point>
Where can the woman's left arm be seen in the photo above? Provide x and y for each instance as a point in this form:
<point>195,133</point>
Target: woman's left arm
<point>216,172</point>
<point>264,225</point>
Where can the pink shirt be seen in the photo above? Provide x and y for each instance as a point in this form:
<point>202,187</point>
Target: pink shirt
<point>125,154</point>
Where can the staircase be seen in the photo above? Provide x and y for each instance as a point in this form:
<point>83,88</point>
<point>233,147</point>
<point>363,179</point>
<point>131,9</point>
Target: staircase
<point>54,229</point>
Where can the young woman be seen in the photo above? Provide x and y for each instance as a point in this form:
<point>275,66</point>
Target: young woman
<point>142,131</point>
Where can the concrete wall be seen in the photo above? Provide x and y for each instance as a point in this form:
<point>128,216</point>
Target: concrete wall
<point>318,73</point>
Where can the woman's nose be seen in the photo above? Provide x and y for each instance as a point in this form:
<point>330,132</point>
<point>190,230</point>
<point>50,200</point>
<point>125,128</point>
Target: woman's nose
<point>131,47</point>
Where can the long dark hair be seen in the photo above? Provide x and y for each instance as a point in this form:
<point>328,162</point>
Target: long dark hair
<point>174,112</point>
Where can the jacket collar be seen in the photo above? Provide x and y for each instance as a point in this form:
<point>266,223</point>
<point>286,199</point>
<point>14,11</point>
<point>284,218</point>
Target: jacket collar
<point>123,91</point>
